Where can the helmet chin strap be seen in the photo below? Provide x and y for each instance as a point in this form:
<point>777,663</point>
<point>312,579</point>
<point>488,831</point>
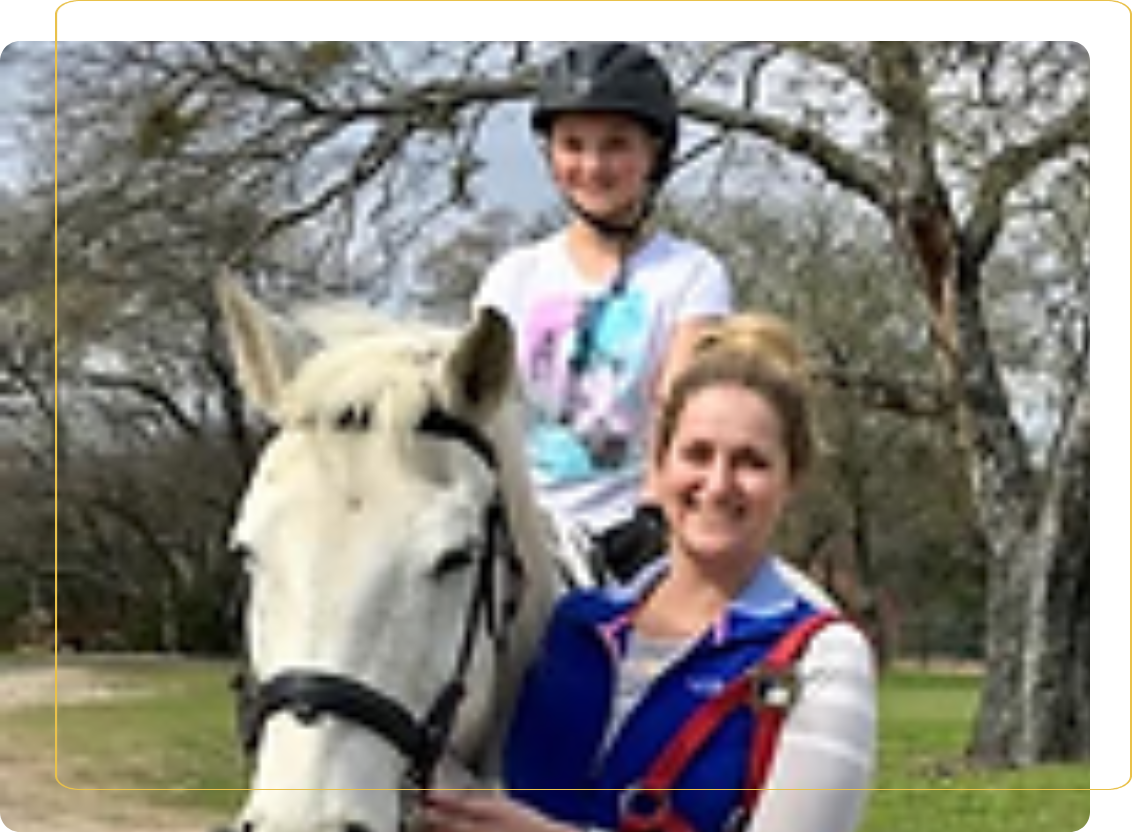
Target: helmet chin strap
<point>624,232</point>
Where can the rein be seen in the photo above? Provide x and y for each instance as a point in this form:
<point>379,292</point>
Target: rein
<point>310,695</point>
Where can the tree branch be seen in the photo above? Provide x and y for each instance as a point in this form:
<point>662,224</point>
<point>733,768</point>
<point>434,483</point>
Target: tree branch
<point>1010,167</point>
<point>149,392</point>
<point>840,165</point>
<point>901,396</point>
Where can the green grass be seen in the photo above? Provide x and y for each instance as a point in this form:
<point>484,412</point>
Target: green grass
<point>171,728</point>
<point>926,720</point>
<point>175,731</point>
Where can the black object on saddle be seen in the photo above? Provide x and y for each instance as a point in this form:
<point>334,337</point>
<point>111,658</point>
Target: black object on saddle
<point>622,550</point>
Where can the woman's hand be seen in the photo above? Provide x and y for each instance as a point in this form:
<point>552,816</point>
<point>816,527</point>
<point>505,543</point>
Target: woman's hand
<point>484,812</point>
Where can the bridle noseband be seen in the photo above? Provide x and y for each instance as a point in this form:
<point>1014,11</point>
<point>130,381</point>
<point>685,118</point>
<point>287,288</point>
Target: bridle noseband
<point>310,695</point>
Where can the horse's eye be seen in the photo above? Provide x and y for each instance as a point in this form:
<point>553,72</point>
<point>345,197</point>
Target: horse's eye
<point>453,560</point>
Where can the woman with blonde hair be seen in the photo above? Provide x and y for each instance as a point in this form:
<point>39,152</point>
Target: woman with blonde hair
<point>719,691</point>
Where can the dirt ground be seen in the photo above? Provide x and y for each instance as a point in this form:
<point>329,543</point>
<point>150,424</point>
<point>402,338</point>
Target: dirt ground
<point>32,800</point>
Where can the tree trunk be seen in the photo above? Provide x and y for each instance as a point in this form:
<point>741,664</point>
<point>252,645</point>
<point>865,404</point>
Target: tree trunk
<point>1063,683</point>
<point>1035,704</point>
<point>1032,524</point>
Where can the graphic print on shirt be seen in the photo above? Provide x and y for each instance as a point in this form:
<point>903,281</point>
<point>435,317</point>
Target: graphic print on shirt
<point>583,359</point>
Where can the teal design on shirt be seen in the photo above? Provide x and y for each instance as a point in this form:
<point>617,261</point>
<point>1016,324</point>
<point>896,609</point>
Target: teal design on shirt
<point>585,365</point>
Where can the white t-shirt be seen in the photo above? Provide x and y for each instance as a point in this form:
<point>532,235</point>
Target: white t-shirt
<point>589,358</point>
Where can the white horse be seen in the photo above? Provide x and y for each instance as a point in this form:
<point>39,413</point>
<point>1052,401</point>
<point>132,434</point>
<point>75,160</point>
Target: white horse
<point>400,572</point>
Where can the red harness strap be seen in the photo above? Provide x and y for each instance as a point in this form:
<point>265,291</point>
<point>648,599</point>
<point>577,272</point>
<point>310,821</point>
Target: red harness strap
<point>770,688</point>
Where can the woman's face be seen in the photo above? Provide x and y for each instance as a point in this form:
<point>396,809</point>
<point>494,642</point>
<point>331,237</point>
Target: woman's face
<point>601,162</point>
<point>725,477</point>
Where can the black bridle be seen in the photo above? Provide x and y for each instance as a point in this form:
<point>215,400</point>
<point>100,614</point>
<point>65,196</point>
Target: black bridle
<point>311,695</point>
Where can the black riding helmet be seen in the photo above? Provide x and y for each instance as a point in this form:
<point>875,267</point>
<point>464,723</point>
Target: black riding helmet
<point>621,78</point>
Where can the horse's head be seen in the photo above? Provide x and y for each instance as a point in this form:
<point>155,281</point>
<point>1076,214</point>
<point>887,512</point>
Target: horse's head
<point>375,533</point>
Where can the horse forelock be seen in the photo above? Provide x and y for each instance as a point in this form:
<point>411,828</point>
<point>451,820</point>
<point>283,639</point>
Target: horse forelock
<point>369,378</point>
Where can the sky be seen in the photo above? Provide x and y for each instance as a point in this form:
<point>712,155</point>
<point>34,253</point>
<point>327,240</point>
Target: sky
<point>9,88</point>
<point>12,90</point>
<point>514,178</point>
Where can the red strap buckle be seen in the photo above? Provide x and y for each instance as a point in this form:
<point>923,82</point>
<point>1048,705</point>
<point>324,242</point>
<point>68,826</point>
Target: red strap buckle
<point>774,688</point>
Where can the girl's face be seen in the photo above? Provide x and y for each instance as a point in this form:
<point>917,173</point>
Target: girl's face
<point>724,478</point>
<point>601,162</point>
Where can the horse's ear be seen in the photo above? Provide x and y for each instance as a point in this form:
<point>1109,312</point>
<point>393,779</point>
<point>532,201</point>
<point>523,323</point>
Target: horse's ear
<point>481,368</point>
<point>266,348</point>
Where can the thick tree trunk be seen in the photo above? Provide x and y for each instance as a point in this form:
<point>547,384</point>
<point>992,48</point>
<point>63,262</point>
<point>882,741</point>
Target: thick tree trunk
<point>1034,706</point>
<point>1033,524</point>
<point>1036,703</point>
<point>1061,709</point>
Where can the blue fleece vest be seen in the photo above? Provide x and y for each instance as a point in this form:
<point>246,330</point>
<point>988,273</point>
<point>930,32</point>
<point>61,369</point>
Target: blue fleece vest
<point>554,758</point>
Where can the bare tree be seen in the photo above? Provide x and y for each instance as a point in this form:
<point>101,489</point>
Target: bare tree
<point>323,163</point>
<point>946,135</point>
